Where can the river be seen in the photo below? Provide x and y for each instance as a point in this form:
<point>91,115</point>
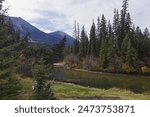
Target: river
<point>135,83</point>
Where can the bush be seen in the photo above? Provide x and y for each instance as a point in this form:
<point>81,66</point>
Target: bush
<point>91,63</point>
<point>127,68</point>
<point>115,64</point>
<point>72,61</point>
<point>145,69</point>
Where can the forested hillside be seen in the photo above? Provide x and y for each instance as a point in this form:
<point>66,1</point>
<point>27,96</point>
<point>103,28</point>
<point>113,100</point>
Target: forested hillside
<point>19,58</point>
<point>113,46</point>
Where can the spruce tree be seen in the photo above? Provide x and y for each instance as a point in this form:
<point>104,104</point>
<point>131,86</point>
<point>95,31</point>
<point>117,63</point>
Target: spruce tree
<point>103,27</point>
<point>76,36</point>
<point>9,85</point>
<point>131,54</point>
<point>103,54</point>
<point>92,43</point>
<point>123,23</point>
<point>98,35</point>
<point>42,89</point>
<point>83,43</point>
<point>124,45</point>
<point>116,29</point>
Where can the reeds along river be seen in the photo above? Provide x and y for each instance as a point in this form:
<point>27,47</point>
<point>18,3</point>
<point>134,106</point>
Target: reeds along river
<point>135,83</point>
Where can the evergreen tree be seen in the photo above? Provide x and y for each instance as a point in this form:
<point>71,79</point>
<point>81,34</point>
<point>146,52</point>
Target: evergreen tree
<point>56,53</point>
<point>103,28</point>
<point>111,49</point>
<point>98,35</point>
<point>103,54</point>
<point>123,23</point>
<point>116,29</point>
<point>42,90</point>
<point>92,43</point>
<point>128,24</point>
<point>146,32</point>
<point>124,45</point>
<point>83,43</point>
<point>98,28</point>
<point>9,85</point>
<point>76,36</point>
<point>131,54</point>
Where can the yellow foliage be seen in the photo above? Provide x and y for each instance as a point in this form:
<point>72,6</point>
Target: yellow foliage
<point>127,68</point>
<point>145,69</point>
<point>21,59</point>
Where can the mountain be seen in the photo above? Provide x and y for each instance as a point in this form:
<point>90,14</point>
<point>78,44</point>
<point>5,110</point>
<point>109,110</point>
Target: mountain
<point>58,35</point>
<point>38,36</point>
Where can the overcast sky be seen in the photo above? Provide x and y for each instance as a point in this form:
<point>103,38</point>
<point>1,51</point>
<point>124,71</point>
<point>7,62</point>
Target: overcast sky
<point>53,15</point>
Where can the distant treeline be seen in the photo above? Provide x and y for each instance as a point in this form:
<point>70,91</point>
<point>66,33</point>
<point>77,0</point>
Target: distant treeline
<point>119,46</point>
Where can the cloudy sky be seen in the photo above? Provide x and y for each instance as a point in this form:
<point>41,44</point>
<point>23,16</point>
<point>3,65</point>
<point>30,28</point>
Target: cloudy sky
<point>52,15</point>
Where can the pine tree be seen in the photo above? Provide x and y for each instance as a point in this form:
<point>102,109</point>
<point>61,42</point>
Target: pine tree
<point>123,23</point>
<point>9,85</point>
<point>103,27</point>
<point>42,90</point>
<point>116,29</point>
<point>98,35</point>
<point>128,24</point>
<point>92,43</point>
<point>131,54</point>
<point>111,49</point>
<point>83,43</point>
<point>103,54</point>
<point>56,53</point>
<point>146,32</point>
<point>76,36</point>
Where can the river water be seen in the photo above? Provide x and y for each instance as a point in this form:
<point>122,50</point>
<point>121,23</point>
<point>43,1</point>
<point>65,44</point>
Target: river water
<point>135,83</point>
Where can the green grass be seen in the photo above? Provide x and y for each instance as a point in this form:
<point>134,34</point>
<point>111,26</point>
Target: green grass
<point>72,91</point>
<point>26,91</point>
<point>65,91</point>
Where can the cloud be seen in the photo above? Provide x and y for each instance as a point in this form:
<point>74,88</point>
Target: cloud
<point>51,21</point>
<point>51,15</point>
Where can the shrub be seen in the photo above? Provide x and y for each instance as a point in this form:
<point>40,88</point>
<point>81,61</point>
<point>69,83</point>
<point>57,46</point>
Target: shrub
<point>145,69</point>
<point>72,61</point>
<point>127,68</point>
<point>90,63</point>
<point>115,63</point>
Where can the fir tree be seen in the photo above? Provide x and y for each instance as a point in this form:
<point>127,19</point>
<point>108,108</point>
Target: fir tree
<point>76,36</point>
<point>92,43</point>
<point>9,85</point>
<point>42,90</point>
<point>103,54</point>
<point>83,43</point>
<point>116,29</point>
<point>123,23</point>
<point>103,27</point>
<point>98,35</point>
<point>131,54</point>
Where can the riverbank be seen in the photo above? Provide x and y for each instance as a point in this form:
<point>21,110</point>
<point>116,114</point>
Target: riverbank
<point>62,64</point>
<point>67,91</point>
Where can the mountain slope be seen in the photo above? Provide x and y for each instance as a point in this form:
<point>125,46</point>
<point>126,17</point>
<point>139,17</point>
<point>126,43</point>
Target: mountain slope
<point>37,35</point>
<point>58,35</point>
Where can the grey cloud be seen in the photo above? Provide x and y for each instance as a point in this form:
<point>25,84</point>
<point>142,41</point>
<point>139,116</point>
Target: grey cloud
<point>50,13</point>
<point>52,21</point>
<point>59,14</point>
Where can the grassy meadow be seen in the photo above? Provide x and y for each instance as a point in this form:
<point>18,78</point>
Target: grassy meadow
<point>69,91</point>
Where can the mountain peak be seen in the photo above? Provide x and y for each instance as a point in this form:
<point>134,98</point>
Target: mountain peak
<point>37,35</point>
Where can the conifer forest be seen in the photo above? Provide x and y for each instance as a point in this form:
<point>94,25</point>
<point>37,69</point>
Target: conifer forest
<point>110,61</point>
